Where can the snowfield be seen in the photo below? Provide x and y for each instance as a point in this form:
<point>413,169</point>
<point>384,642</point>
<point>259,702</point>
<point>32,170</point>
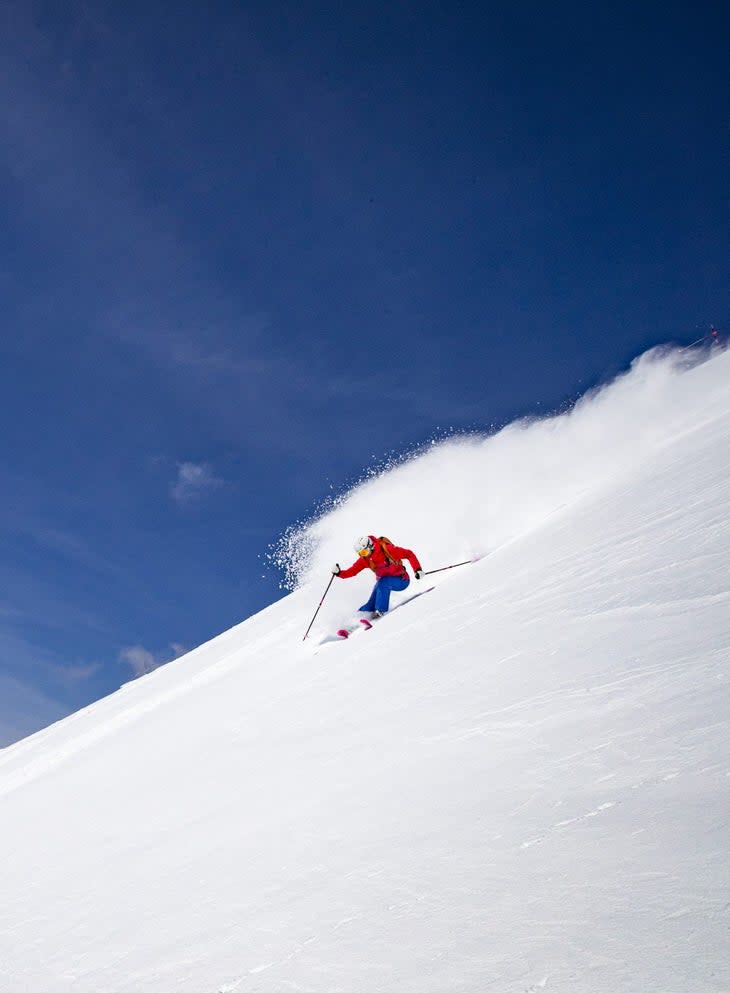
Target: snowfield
<point>518,782</point>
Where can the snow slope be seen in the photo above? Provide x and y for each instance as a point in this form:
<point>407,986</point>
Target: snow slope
<point>518,782</point>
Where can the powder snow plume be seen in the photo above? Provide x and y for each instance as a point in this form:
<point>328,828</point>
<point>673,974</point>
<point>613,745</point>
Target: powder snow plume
<point>470,495</point>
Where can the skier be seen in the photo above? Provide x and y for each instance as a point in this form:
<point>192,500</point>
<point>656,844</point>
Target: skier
<point>384,558</point>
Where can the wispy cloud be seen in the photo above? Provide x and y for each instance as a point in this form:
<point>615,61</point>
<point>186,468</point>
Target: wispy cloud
<point>141,660</point>
<point>73,674</point>
<point>24,709</point>
<point>194,481</point>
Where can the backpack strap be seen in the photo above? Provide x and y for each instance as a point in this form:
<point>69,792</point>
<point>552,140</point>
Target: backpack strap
<point>384,542</point>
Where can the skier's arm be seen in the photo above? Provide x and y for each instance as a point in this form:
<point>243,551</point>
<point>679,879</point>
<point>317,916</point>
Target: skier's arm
<point>353,570</point>
<point>406,553</point>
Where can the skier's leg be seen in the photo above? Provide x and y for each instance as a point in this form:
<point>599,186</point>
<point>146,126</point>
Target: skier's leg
<point>369,607</point>
<point>384,587</point>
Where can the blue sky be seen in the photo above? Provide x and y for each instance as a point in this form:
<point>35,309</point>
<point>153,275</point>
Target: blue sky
<point>247,249</point>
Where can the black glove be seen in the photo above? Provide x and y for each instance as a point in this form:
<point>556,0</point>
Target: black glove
<point>419,573</point>
<point>336,569</point>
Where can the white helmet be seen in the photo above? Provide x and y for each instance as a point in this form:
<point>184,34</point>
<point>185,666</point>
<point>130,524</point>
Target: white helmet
<point>364,545</point>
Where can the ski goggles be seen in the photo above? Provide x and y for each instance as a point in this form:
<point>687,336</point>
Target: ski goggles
<point>364,552</point>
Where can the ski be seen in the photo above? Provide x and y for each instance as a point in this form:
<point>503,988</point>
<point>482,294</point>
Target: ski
<point>362,625</point>
<point>365,625</point>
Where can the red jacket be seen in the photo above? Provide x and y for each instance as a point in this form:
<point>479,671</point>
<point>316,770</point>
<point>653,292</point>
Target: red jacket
<point>380,565</point>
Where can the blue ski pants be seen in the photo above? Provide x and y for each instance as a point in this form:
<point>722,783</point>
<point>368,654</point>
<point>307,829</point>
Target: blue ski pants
<point>380,597</point>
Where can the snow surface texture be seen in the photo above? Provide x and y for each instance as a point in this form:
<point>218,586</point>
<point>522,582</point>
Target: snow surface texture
<point>518,782</point>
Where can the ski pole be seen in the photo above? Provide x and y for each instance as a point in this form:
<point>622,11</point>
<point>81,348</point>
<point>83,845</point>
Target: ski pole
<point>445,567</point>
<point>317,610</point>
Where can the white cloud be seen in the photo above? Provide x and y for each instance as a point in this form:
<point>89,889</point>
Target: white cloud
<point>193,482</point>
<point>139,659</point>
<point>143,661</point>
